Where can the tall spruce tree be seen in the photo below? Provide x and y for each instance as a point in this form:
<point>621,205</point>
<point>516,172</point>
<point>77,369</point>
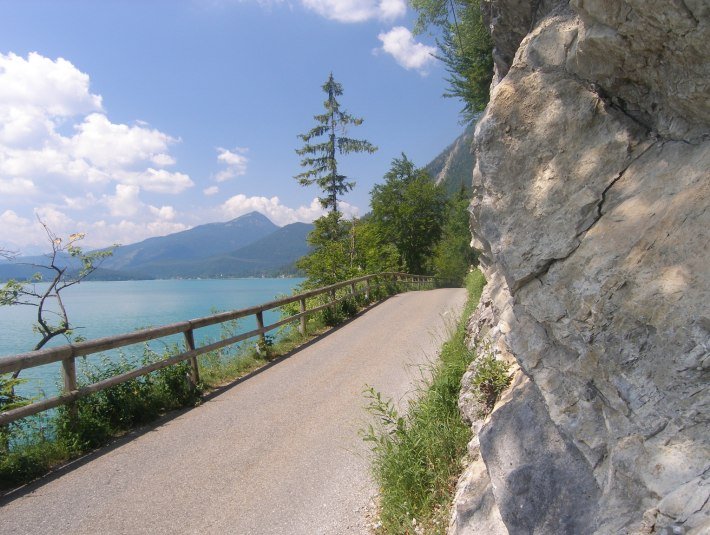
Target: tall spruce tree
<point>320,158</point>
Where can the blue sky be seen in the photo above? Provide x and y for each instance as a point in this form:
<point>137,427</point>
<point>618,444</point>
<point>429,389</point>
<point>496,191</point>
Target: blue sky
<point>129,119</point>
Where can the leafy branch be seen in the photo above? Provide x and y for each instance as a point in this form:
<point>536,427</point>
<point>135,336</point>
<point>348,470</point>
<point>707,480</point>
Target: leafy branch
<point>52,318</point>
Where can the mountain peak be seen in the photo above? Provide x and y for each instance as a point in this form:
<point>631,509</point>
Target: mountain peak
<point>252,217</point>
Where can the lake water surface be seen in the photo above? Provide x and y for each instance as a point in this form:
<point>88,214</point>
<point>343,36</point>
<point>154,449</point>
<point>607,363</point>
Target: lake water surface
<point>105,308</point>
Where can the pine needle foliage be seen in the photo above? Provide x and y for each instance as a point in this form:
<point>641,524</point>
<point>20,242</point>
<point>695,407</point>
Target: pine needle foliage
<point>319,158</point>
<point>465,47</point>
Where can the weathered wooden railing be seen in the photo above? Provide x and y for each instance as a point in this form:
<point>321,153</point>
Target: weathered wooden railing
<point>67,354</point>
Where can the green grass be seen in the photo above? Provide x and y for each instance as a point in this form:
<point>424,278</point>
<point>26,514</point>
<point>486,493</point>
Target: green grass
<point>33,445</point>
<point>417,457</point>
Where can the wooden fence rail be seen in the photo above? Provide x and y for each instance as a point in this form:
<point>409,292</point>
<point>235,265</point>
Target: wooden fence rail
<point>67,354</point>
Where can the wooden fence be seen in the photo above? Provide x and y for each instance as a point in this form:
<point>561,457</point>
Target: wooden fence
<point>67,354</point>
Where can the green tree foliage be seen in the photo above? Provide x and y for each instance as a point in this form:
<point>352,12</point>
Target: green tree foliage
<point>408,213</point>
<point>320,158</point>
<point>331,258</point>
<point>453,254</point>
<point>373,255</point>
<point>343,249</point>
<point>465,48</point>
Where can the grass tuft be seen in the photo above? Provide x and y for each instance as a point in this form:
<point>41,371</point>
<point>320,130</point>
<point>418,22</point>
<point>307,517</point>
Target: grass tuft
<point>417,457</point>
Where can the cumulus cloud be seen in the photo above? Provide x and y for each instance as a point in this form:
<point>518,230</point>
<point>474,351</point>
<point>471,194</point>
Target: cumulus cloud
<point>59,221</point>
<point>116,146</point>
<point>10,218</point>
<point>212,190</point>
<point>392,9</point>
<point>401,45</point>
<point>41,83</point>
<point>279,213</point>
<point>18,231</point>
<point>79,202</point>
<point>236,163</point>
<point>125,202</point>
<point>357,10</point>
<point>157,180</point>
<point>38,96</point>
<point>57,142</point>
<point>16,186</point>
<point>164,213</point>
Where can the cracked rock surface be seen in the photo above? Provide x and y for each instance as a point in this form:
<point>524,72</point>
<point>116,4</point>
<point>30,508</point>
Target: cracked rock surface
<point>591,209</point>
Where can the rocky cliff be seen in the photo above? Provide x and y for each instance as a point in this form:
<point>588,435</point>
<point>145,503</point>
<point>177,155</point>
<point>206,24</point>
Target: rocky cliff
<point>591,213</point>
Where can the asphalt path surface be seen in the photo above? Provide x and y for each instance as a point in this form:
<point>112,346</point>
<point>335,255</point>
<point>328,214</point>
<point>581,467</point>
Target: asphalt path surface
<point>277,453</point>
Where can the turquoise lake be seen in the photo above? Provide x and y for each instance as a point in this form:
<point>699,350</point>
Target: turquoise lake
<point>107,308</point>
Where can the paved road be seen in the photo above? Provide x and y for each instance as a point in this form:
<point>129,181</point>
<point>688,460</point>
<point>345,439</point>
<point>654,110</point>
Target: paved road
<point>278,453</point>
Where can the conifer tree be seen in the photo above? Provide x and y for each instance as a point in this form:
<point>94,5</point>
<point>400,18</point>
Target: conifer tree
<point>465,46</point>
<point>320,158</point>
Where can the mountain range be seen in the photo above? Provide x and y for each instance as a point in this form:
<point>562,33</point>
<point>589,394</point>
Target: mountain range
<point>248,246</point>
<point>453,167</point>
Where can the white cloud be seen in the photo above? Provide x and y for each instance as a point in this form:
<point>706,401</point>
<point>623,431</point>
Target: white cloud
<point>17,231</point>
<point>236,163</point>
<point>357,10</point>
<point>115,146</point>
<point>16,186</point>
<point>279,213</point>
<point>163,160</point>
<point>57,220</point>
<point>125,202</point>
<point>10,218</point>
<point>392,9</point>
<point>23,126</point>
<point>80,202</point>
<point>157,180</point>
<point>347,209</point>
<point>37,82</point>
<point>164,213</point>
<point>212,190</point>
<point>57,142</point>
<point>400,44</point>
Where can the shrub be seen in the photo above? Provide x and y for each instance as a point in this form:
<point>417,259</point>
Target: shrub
<point>490,379</point>
<point>9,400</point>
<point>124,406</point>
<point>264,346</point>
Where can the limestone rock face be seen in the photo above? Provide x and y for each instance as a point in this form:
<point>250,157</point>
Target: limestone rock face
<point>591,210</point>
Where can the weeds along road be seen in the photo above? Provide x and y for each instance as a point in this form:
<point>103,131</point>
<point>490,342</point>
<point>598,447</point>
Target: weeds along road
<point>278,453</point>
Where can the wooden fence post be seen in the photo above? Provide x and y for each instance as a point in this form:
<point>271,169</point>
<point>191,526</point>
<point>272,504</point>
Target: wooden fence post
<point>260,324</point>
<point>367,290</point>
<point>302,328</point>
<point>194,369</point>
<point>70,384</point>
